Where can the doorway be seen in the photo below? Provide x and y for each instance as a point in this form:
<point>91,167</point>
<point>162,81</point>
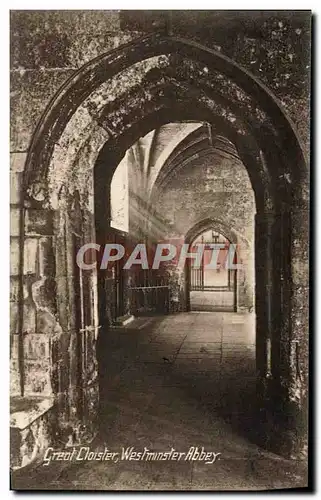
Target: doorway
<point>281,204</point>
<point>213,287</point>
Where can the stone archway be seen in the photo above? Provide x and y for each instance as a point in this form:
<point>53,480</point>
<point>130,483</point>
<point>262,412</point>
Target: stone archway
<point>229,233</point>
<point>81,124</point>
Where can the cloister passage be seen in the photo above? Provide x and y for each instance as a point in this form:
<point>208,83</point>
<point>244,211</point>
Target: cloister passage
<point>157,374</point>
<point>207,147</point>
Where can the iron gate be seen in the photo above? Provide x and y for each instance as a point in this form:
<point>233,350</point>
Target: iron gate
<point>221,279</point>
<point>150,294</point>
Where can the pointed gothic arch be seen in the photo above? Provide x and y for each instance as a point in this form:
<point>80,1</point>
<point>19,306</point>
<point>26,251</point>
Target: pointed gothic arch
<point>75,137</point>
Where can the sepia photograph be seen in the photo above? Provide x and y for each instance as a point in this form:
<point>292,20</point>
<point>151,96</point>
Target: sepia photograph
<point>159,250</point>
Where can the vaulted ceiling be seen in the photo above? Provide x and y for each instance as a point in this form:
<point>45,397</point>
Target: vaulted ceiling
<point>156,157</point>
<point>152,162</point>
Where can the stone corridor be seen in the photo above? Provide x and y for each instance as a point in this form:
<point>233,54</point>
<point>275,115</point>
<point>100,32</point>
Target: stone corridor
<point>175,382</point>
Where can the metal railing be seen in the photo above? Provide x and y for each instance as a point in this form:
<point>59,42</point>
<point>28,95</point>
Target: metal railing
<point>153,299</point>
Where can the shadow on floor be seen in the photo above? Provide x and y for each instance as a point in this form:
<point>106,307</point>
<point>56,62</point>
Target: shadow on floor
<point>178,382</point>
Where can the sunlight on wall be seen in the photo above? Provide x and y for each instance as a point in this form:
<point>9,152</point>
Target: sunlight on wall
<point>119,197</point>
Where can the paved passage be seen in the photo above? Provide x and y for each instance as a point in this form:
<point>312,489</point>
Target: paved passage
<point>217,300</point>
<point>178,382</point>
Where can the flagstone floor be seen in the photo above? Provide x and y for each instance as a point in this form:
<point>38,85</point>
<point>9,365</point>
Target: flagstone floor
<point>212,301</point>
<point>177,382</point>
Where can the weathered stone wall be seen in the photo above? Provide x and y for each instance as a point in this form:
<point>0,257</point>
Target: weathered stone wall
<point>16,173</point>
<point>47,47</point>
<point>273,45</point>
<point>38,290</point>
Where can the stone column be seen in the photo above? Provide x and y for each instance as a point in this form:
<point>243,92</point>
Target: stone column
<point>282,327</point>
<point>78,316</point>
<point>294,335</point>
<point>269,317</point>
<point>265,271</point>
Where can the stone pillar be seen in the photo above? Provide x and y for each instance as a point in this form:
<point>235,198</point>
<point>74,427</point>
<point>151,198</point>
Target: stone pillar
<point>78,315</point>
<point>282,327</point>
<point>294,335</point>
<point>269,317</point>
<point>245,276</point>
<point>264,241</point>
